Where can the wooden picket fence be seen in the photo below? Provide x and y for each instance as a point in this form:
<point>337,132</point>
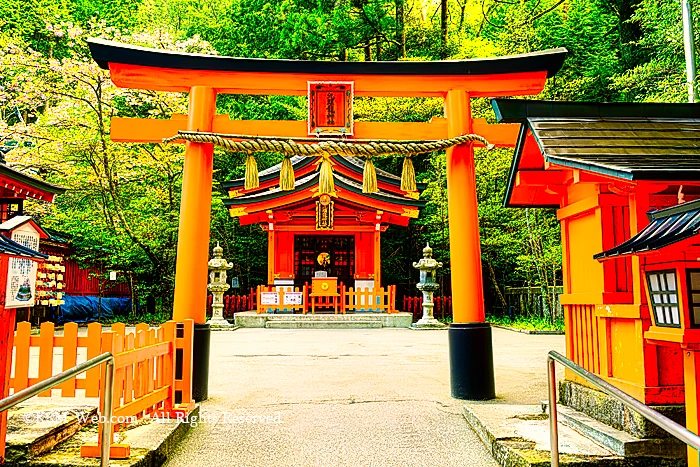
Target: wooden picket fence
<point>362,300</point>
<point>147,380</point>
<point>441,310</point>
<point>282,303</point>
<point>235,303</point>
<point>366,299</point>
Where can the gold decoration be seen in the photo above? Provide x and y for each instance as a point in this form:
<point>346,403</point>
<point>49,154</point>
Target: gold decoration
<point>326,184</point>
<point>287,174</point>
<point>369,177</point>
<point>324,213</point>
<point>251,173</point>
<point>237,212</point>
<point>408,175</point>
<point>324,259</point>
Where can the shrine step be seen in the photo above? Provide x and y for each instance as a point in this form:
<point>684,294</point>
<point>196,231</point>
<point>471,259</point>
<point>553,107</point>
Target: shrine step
<point>251,319</point>
<point>518,436</point>
<point>37,426</point>
<point>324,324</point>
<point>620,442</point>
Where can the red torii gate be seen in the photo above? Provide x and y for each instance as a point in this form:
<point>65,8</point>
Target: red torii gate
<point>205,76</point>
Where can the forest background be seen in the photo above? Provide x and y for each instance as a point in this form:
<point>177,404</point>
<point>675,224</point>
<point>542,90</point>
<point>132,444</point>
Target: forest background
<point>122,205</point>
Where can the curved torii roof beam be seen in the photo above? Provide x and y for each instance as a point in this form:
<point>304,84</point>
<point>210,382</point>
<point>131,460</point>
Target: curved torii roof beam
<point>145,68</point>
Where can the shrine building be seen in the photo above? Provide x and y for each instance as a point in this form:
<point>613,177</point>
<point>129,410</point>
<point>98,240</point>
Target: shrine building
<point>310,232</point>
<point>625,180</point>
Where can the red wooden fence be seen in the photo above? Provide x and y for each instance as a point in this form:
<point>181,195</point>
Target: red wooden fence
<point>442,309</point>
<point>235,303</point>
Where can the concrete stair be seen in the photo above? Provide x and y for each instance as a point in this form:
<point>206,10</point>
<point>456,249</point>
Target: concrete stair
<point>321,321</point>
<point>619,442</point>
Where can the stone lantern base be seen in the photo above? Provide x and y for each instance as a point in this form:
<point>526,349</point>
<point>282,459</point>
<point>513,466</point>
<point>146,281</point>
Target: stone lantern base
<point>220,324</point>
<point>429,323</point>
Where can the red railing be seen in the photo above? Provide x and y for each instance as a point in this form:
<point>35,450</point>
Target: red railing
<point>442,309</point>
<point>235,303</point>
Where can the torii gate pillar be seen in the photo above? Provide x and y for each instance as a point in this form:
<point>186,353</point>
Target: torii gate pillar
<point>193,238</point>
<point>471,350</point>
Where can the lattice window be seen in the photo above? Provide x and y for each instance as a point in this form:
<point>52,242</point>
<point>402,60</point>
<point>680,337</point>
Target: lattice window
<point>694,296</point>
<point>663,290</point>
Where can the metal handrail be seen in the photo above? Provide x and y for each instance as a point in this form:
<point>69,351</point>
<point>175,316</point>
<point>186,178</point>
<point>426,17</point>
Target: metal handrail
<point>107,399</point>
<point>665,423</point>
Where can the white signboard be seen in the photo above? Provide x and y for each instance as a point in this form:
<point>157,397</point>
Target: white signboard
<point>269,298</point>
<point>293,298</point>
<point>21,273</point>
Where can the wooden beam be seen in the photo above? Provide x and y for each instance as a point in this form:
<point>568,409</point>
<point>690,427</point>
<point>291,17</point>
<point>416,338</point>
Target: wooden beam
<point>146,130</point>
<point>295,84</point>
<point>539,177</point>
<point>503,135</point>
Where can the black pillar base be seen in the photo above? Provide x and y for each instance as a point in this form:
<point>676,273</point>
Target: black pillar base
<point>200,362</point>
<point>471,361</point>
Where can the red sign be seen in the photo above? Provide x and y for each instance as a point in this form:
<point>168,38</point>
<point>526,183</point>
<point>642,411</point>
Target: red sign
<point>330,108</point>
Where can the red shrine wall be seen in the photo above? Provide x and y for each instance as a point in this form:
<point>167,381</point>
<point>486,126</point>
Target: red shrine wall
<point>283,253</point>
<point>605,303</point>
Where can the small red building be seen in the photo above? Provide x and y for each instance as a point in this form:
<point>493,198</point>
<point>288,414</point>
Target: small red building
<point>338,233</point>
<point>625,180</point>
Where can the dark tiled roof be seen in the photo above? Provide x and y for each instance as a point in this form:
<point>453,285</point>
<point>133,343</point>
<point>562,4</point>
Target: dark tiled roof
<point>312,179</point>
<point>9,247</point>
<point>269,173</point>
<point>667,226</point>
<point>106,52</point>
<point>627,141</point>
<point>31,181</point>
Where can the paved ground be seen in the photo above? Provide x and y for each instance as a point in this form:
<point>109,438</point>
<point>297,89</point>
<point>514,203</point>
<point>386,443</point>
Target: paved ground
<point>348,398</point>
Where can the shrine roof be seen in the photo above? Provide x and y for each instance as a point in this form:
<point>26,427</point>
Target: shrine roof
<point>32,187</point>
<point>354,163</point>
<point>11,248</point>
<point>105,52</point>
<point>667,226</point>
<point>629,141</point>
<point>311,180</point>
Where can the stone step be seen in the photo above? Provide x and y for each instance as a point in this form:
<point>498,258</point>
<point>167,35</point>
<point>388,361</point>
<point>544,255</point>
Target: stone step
<point>619,442</point>
<point>36,428</point>
<point>323,324</point>
<point>320,317</point>
<point>518,436</point>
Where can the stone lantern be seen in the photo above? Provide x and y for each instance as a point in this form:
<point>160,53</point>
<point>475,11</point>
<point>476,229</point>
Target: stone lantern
<point>217,286</point>
<point>428,267</point>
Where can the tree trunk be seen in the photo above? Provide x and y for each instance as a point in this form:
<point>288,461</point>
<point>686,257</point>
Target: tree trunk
<point>443,28</point>
<point>400,29</point>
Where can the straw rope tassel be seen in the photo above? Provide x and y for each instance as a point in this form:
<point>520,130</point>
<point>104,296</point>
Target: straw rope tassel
<point>287,175</point>
<point>408,175</point>
<point>251,173</point>
<point>369,177</point>
<point>326,185</point>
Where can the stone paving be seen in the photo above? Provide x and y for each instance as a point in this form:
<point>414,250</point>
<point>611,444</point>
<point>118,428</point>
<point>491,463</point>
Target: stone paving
<point>348,398</point>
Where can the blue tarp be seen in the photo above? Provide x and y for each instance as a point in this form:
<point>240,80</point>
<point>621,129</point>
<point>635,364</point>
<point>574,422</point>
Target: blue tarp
<point>79,309</point>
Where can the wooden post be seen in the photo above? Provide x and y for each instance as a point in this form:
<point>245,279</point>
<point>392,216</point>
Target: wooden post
<point>7,334</point>
<point>465,250</point>
<point>691,366</point>
<point>471,349</point>
<point>195,207</point>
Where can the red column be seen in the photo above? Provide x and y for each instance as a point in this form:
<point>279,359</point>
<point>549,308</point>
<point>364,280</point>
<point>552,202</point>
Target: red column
<point>193,236</point>
<point>465,250</point>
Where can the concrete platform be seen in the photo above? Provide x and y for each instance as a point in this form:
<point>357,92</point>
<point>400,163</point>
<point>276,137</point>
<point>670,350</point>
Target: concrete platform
<point>250,319</point>
<point>152,443</point>
<point>518,435</point>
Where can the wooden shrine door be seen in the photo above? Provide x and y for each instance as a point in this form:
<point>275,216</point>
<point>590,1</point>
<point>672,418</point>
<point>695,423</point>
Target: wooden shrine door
<point>334,254</point>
